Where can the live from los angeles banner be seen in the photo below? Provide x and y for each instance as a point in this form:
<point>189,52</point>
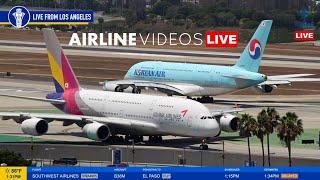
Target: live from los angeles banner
<point>20,16</point>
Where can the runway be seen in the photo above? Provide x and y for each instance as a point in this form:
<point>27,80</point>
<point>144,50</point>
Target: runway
<point>151,153</point>
<point>211,57</point>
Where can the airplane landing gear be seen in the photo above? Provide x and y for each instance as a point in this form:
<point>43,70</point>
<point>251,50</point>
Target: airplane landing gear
<point>135,138</point>
<point>118,89</point>
<point>203,145</point>
<point>136,90</point>
<point>155,139</point>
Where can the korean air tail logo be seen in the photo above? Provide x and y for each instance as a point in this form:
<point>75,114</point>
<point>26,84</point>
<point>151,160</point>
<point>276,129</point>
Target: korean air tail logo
<point>19,16</point>
<point>255,49</point>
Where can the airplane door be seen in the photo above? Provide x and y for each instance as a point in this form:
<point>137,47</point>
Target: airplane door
<point>121,113</point>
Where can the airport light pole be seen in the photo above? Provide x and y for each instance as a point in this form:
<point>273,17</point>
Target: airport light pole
<point>133,151</point>
<point>223,155</point>
<point>127,154</point>
<point>110,150</point>
<point>31,148</point>
<point>201,157</point>
<point>184,156</point>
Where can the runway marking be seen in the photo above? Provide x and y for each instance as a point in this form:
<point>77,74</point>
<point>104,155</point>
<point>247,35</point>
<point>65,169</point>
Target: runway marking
<point>302,89</point>
<point>76,67</point>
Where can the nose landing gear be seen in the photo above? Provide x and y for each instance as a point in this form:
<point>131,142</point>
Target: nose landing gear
<point>118,89</point>
<point>203,145</point>
<point>155,139</point>
<point>136,90</point>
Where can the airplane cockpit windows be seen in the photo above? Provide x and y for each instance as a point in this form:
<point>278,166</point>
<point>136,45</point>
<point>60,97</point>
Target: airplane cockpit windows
<point>207,117</point>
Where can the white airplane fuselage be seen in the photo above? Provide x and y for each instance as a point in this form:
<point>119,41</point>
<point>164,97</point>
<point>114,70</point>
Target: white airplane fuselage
<point>171,115</point>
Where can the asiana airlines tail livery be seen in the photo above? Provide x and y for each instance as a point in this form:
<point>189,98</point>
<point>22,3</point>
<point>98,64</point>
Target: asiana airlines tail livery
<point>102,114</point>
<point>205,80</point>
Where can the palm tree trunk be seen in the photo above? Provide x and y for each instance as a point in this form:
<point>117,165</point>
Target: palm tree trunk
<point>289,150</point>
<point>262,146</point>
<point>268,144</point>
<point>249,150</point>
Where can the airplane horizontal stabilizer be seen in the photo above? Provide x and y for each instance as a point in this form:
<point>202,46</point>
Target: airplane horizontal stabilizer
<point>53,101</point>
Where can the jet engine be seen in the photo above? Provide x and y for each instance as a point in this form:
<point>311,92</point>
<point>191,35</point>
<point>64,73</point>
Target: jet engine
<point>266,88</point>
<point>96,131</point>
<point>110,86</point>
<point>229,123</point>
<point>34,126</point>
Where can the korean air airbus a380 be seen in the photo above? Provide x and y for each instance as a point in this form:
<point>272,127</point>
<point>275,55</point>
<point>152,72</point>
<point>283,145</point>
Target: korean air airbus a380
<point>102,114</point>
<point>204,80</point>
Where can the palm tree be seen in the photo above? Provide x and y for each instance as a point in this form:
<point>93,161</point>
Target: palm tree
<point>289,128</point>
<point>247,126</point>
<point>261,130</point>
<point>270,124</point>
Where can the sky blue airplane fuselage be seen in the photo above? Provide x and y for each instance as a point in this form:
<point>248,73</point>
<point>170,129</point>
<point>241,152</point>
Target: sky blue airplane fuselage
<point>213,79</point>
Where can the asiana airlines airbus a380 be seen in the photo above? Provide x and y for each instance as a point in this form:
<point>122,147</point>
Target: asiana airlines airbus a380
<point>205,80</point>
<point>101,114</point>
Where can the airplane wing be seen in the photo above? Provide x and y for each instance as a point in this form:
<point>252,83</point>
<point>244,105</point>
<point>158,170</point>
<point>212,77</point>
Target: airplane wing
<point>222,112</point>
<point>53,101</point>
<point>181,89</point>
<point>78,119</point>
<point>288,79</point>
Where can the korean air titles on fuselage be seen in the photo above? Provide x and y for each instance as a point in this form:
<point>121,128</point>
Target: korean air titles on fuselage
<point>149,73</point>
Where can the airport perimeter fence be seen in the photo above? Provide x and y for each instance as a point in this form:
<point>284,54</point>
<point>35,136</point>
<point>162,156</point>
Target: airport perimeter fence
<point>92,155</point>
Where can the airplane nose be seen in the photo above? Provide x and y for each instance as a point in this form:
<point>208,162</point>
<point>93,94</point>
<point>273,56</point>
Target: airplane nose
<point>212,127</point>
<point>265,77</point>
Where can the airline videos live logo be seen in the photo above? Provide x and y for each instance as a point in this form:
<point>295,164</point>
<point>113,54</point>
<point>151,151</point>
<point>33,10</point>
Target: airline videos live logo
<point>222,39</point>
<point>304,35</point>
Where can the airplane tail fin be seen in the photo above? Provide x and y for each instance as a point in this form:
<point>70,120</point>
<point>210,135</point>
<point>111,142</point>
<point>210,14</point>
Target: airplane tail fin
<point>251,56</point>
<point>62,73</point>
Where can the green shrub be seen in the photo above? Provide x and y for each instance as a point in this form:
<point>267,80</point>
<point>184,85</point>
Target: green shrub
<point>13,159</point>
